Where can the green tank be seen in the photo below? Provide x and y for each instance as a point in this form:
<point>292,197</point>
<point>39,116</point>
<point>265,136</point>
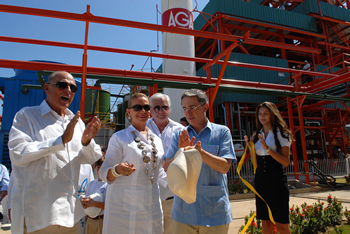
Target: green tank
<point>101,104</point>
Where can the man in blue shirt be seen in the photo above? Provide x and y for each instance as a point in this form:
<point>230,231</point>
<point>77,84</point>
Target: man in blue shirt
<point>212,211</point>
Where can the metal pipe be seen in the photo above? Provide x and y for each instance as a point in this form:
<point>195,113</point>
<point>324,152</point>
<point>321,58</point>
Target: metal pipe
<point>239,122</point>
<point>25,88</point>
<point>223,107</point>
<point>183,85</point>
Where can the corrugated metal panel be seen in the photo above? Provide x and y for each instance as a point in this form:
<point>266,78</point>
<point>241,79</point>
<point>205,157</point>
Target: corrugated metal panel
<point>249,74</point>
<point>256,1</point>
<point>339,105</point>
<point>335,11</point>
<point>323,69</point>
<point>257,12</point>
<point>329,10</point>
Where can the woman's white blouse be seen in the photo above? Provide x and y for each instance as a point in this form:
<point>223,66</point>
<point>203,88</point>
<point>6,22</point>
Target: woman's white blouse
<point>133,203</point>
<point>270,141</point>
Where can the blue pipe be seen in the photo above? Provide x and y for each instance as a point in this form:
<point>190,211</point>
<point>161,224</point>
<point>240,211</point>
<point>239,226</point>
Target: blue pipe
<point>223,106</point>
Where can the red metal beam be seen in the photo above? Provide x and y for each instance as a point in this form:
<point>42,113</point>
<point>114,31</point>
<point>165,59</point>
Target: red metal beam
<point>147,54</point>
<point>147,26</point>
<point>329,83</point>
<point>299,102</point>
<point>38,66</point>
<point>288,29</point>
<point>294,146</point>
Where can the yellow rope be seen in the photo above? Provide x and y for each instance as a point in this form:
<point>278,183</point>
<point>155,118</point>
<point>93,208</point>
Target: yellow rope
<point>255,164</point>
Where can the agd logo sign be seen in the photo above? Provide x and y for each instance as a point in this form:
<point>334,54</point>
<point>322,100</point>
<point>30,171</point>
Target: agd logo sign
<point>178,17</point>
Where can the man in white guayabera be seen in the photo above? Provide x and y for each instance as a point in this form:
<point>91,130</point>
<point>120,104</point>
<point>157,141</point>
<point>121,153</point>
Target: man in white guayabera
<point>48,143</point>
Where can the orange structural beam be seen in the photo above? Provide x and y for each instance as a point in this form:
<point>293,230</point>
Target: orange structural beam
<point>227,53</point>
<point>269,25</point>
<point>157,55</point>
<point>133,24</point>
<point>84,65</point>
<point>38,66</point>
<point>299,102</point>
<point>329,83</point>
<point>347,23</point>
<point>294,146</point>
<point>93,87</point>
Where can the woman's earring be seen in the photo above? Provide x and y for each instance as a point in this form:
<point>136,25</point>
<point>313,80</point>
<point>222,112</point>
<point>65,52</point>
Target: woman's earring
<point>129,118</point>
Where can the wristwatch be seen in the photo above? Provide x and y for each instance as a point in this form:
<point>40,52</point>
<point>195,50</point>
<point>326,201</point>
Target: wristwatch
<point>268,149</point>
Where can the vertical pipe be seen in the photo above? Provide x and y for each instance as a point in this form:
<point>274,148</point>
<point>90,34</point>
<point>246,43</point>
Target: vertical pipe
<point>221,30</point>
<point>239,121</point>
<point>283,51</point>
<point>228,115</point>
<point>225,115</point>
<point>231,108</point>
<point>294,145</point>
<point>83,78</point>
<point>303,142</point>
<point>151,91</point>
<point>328,143</point>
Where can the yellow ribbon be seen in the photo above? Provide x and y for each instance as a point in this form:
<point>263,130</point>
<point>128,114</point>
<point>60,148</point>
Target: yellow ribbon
<point>255,164</point>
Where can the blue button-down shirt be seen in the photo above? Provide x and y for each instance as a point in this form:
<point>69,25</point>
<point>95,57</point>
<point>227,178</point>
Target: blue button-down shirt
<point>212,206</point>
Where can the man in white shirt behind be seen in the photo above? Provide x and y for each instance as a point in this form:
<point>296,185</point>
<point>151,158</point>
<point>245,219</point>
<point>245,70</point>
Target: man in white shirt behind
<point>85,177</point>
<point>47,144</point>
<point>164,128</point>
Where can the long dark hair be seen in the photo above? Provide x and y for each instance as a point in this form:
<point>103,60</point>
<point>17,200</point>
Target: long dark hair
<point>277,123</point>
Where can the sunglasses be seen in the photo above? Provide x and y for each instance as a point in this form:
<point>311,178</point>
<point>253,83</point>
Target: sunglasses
<point>64,85</point>
<point>139,107</point>
<point>157,108</point>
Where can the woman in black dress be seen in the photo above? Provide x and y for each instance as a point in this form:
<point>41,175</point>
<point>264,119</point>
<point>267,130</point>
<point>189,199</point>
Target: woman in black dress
<point>272,140</point>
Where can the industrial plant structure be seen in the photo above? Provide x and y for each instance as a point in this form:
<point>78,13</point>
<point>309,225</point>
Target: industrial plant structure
<point>245,52</point>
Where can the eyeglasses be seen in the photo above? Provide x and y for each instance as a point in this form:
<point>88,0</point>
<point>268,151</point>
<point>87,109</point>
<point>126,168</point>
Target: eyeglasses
<point>64,85</point>
<point>157,108</point>
<point>139,107</point>
<point>192,108</point>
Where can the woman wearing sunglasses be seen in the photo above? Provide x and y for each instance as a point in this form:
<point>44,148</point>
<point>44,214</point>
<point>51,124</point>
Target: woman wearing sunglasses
<point>131,168</point>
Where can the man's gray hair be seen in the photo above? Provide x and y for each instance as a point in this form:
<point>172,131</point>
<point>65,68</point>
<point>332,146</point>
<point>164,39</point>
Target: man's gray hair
<point>201,96</point>
<point>53,75</point>
<point>159,96</point>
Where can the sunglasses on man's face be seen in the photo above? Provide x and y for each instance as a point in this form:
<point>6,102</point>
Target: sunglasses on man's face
<point>64,85</point>
<point>139,107</point>
<point>158,108</point>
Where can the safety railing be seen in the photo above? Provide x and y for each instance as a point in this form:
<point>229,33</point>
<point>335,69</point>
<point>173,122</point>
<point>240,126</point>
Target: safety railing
<point>331,167</point>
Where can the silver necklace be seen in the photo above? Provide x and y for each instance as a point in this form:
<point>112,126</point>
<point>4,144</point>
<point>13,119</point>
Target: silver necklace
<point>151,162</point>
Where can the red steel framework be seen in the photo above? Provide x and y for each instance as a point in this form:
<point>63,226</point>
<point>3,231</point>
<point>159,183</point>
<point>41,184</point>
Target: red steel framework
<point>258,38</point>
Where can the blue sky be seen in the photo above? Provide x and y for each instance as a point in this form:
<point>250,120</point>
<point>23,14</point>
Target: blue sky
<point>24,26</point>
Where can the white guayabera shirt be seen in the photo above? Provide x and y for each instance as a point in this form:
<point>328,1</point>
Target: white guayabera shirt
<point>47,171</point>
<point>166,136</point>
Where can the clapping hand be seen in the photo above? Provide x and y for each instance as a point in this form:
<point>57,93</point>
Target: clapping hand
<point>263,142</point>
<point>69,132</point>
<point>91,131</point>
<point>197,146</point>
<point>184,139</point>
